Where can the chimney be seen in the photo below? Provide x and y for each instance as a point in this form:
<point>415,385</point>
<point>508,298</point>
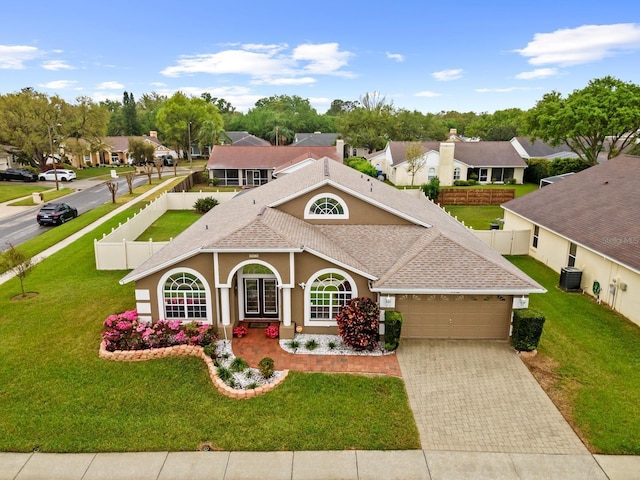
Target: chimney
<point>445,163</point>
<point>340,149</point>
<point>153,134</point>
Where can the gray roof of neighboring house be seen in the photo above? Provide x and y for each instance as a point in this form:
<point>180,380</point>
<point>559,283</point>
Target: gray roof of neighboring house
<point>435,252</point>
<point>316,139</point>
<point>229,156</point>
<point>474,154</point>
<point>598,208</point>
<point>245,139</point>
<point>540,149</point>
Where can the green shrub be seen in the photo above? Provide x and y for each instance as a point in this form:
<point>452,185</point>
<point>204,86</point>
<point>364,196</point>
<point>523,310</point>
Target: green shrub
<point>560,166</point>
<point>238,365</point>
<point>392,328</point>
<point>210,350</point>
<point>464,183</point>
<point>225,374</point>
<point>362,165</point>
<point>252,386</point>
<point>266,367</point>
<point>332,345</point>
<point>358,323</point>
<point>311,345</point>
<point>203,205</point>
<point>431,189</point>
<point>293,344</point>
<point>527,329</point>
<point>537,169</point>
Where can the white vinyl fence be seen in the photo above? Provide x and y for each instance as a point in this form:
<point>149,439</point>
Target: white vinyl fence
<point>119,251</point>
<point>506,242</point>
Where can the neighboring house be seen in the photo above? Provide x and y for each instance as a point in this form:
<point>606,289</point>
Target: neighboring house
<point>539,149</point>
<point>315,139</point>
<point>254,166</point>
<point>589,221</point>
<point>296,249</point>
<point>554,179</point>
<point>490,162</point>
<point>245,139</point>
<point>7,157</point>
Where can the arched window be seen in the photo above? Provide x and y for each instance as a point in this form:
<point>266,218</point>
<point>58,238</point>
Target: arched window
<point>326,205</point>
<point>327,293</point>
<point>431,173</point>
<point>184,297</point>
<point>456,173</point>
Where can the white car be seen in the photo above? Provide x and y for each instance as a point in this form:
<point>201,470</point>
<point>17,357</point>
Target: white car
<point>63,175</point>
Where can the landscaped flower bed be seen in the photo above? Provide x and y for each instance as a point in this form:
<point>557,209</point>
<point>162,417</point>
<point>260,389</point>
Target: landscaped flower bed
<point>304,343</point>
<point>126,332</point>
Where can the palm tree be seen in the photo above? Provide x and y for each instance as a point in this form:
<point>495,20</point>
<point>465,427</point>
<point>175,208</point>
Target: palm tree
<point>210,133</point>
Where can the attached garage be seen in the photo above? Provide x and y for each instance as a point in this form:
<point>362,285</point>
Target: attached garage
<point>455,316</point>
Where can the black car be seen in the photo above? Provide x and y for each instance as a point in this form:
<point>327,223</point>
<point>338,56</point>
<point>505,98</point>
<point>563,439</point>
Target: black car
<point>56,214</point>
<point>19,174</point>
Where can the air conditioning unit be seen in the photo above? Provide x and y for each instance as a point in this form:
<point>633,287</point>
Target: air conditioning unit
<point>570,279</point>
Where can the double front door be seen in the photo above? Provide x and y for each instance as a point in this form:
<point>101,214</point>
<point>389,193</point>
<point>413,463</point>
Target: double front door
<point>260,298</point>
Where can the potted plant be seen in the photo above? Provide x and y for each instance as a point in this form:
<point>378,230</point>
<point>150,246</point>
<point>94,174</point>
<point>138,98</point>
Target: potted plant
<point>272,331</point>
<point>240,331</point>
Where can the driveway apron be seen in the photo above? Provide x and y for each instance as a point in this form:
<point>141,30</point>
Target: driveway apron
<point>469,395</point>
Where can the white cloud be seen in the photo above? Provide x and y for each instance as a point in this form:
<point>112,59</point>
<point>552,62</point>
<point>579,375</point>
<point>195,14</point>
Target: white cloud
<point>13,57</point>
<point>56,65</point>
<point>58,84</point>
<point>584,44</point>
<point>537,73</point>
<point>448,75</point>
<point>158,84</point>
<point>503,90</point>
<point>427,93</point>
<point>102,96</point>
<point>398,57</point>
<point>110,86</point>
<point>266,62</point>
<point>285,81</point>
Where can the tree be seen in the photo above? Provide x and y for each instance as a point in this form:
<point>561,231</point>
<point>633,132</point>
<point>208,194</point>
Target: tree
<point>130,114</point>
<point>181,117</point>
<point>605,115</point>
<point>113,189</point>
<point>141,151</point>
<point>129,177</point>
<point>18,263</point>
<point>414,153</point>
<point>501,125</point>
<point>340,107</point>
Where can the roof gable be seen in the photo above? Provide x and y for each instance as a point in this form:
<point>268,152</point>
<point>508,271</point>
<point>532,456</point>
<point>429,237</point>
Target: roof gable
<point>597,208</point>
<point>228,156</point>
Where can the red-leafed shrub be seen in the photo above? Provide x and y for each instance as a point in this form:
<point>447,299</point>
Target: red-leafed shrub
<point>358,323</point>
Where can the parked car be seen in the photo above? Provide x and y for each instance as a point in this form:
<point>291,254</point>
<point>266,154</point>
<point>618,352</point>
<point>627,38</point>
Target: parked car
<point>167,160</point>
<point>19,174</point>
<point>56,214</point>
<point>63,175</point>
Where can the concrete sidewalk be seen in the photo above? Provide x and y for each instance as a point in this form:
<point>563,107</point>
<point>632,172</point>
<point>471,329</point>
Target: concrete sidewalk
<point>320,465</point>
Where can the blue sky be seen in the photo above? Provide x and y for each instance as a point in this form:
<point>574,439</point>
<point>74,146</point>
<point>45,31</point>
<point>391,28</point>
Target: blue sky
<point>427,56</point>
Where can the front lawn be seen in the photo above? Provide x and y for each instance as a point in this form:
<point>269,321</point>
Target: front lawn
<point>57,395</point>
<point>588,362</point>
<point>11,190</point>
<point>48,196</point>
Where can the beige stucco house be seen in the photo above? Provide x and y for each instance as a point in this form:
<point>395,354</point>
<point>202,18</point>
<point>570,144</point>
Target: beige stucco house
<point>590,221</point>
<point>490,162</point>
<point>296,249</point>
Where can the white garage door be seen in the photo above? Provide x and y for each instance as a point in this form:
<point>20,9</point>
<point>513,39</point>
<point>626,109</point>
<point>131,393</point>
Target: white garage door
<point>455,316</point>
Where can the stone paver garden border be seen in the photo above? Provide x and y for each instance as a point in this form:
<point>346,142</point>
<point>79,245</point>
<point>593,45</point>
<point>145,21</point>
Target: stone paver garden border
<point>196,351</point>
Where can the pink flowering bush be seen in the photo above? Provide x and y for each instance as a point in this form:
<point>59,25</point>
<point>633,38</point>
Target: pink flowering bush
<point>239,331</point>
<point>272,331</point>
<point>125,331</point>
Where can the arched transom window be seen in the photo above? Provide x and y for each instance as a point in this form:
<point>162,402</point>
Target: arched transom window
<point>328,292</point>
<point>327,206</point>
<point>185,297</point>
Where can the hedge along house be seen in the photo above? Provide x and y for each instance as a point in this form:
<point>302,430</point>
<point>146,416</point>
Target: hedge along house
<point>297,248</point>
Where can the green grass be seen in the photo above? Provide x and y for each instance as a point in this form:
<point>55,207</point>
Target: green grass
<point>476,217</point>
<point>169,225</point>
<point>11,190</point>
<point>97,172</point>
<point>598,362</point>
<point>48,196</point>
<point>57,395</point>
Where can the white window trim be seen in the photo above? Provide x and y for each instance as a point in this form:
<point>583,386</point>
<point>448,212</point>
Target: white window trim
<point>308,321</point>
<point>205,284</point>
<point>314,199</point>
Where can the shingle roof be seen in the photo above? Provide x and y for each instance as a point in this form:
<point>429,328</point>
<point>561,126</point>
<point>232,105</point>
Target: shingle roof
<point>474,154</point>
<point>393,256</point>
<point>540,149</point>
<point>245,139</point>
<point>121,143</point>
<point>228,156</point>
<point>598,208</point>
<point>316,139</point>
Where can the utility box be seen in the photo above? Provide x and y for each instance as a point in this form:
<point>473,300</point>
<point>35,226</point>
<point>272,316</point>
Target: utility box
<point>570,279</point>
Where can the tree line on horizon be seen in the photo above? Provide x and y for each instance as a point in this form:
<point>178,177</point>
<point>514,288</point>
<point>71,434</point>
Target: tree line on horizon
<point>602,117</point>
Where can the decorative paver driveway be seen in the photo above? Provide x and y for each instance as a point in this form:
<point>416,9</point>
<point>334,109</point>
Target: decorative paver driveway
<point>469,395</point>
